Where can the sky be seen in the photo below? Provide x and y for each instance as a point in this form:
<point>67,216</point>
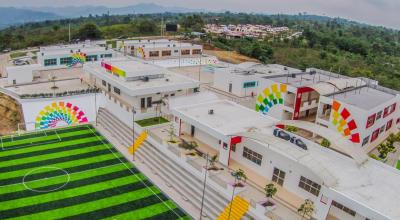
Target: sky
<point>375,12</point>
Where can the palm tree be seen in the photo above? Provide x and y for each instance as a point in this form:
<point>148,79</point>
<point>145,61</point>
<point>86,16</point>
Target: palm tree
<point>270,190</point>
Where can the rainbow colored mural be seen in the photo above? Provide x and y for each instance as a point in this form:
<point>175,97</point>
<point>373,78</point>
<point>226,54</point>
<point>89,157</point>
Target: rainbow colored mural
<point>113,69</point>
<point>77,58</point>
<point>59,113</point>
<point>342,120</point>
<point>140,50</point>
<point>270,96</point>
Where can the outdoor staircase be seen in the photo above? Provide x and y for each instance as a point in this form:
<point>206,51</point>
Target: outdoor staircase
<point>138,142</point>
<point>188,185</point>
<point>238,209</point>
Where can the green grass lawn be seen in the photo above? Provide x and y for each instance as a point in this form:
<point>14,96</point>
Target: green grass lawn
<point>17,54</point>
<point>75,173</point>
<point>151,121</point>
<point>398,165</point>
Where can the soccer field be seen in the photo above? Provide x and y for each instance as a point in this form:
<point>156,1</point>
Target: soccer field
<point>75,173</point>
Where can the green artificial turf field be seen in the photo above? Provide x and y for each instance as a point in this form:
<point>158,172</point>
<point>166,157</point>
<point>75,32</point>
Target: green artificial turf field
<point>75,173</point>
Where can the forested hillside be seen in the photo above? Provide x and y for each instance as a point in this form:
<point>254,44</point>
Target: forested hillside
<point>329,43</point>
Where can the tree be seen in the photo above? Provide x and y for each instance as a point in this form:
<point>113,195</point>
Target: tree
<point>171,132</point>
<point>89,31</point>
<point>270,190</point>
<point>325,143</point>
<point>240,176</point>
<point>145,26</point>
<point>213,160</point>
<point>306,209</point>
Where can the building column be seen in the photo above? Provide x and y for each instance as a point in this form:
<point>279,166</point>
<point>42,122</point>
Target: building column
<point>322,207</point>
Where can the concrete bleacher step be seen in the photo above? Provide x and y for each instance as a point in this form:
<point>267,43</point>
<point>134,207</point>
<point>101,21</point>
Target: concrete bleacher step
<point>185,183</point>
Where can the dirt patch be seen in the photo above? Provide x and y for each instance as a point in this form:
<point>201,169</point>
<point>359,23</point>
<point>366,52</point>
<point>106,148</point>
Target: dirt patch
<point>230,56</point>
<point>10,114</point>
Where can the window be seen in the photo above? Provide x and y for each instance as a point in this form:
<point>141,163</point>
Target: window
<point>343,208</point>
<point>233,147</point>
<point>386,112</point>
<point>165,53</point>
<point>371,120</point>
<point>149,102</point>
<point>109,55</point>
<point>393,108</point>
<point>309,186</point>
<point>91,58</point>
<point>382,129</point>
<point>142,103</point>
<point>389,124</point>
<point>196,51</point>
<point>173,94</point>
<point>252,155</point>
<point>249,84</point>
<point>176,51</point>
<point>185,52</point>
<point>154,53</point>
<point>278,176</point>
<point>378,115</point>
<point>375,135</point>
<point>65,60</point>
<point>116,90</point>
<point>50,62</point>
<point>365,141</point>
<point>104,82</point>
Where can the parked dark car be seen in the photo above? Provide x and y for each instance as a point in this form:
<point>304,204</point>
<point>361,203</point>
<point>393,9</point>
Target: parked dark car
<point>298,142</point>
<point>281,134</point>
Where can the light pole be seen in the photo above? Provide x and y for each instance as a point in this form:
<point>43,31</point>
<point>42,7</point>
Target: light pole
<point>133,133</point>
<point>204,188</point>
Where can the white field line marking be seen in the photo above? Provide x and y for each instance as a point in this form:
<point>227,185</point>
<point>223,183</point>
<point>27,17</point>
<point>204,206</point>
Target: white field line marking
<point>91,170</point>
<point>134,174</point>
<point>56,168</point>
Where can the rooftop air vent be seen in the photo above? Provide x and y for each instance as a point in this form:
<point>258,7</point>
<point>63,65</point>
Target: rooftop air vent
<point>167,79</point>
<point>211,111</point>
<point>285,68</point>
<point>146,79</point>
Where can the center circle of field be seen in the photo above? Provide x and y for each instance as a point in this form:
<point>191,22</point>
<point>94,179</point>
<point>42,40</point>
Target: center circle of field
<point>63,173</point>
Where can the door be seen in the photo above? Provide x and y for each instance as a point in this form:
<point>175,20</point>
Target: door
<point>109,87</point>
<point>230,87</point>
<point>192,129</point>
<point>142,103</point>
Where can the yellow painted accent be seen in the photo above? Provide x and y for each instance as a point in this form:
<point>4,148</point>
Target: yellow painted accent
<point>342,122</point>
<point>260,99</point>
<point>278,95</point>
<point>239,208</point>
<point>340,129</point>
<point>335,114</point>
<point>274,88</point>
<point>48,108</point>
<point>283,88</point>
<point>138,142</point>
<point>266,92</point>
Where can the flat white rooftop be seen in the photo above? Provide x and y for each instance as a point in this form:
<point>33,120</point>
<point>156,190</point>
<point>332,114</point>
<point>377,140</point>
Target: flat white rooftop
<point>159,43</point>
<point>364,98</point>
<point>169,82</point>
<point>372,183</point>
<point>66,49</point>
<point>228,117</point>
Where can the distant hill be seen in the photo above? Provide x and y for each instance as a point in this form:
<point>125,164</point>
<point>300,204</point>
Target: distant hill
<point>10,16</point>
<point>143,8</point>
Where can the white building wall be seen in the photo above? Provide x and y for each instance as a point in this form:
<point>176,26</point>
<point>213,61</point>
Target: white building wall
<point>31,108</point>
